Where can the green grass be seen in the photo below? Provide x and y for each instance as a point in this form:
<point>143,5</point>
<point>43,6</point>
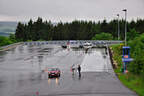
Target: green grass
<point>133,82</point>
<point>1,49</point>
<point>130,80</point>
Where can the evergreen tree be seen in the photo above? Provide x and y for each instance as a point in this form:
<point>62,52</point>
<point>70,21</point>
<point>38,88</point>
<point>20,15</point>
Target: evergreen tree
<point>20,32</point>
<point>76,30</point>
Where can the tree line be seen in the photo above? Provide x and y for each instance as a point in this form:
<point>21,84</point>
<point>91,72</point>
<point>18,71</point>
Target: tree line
<point>76,30</point>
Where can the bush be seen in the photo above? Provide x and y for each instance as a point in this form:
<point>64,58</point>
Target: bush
<point>5,41</point>
<point>137,50</point>
<point>12,38</point>
<point>103,36</point>
<point>117,49</point>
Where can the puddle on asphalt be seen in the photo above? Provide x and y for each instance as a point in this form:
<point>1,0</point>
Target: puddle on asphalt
<point>52,81</point>
<point>24,62</point>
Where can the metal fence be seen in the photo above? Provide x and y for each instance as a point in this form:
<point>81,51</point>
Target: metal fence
<point>74,42</point>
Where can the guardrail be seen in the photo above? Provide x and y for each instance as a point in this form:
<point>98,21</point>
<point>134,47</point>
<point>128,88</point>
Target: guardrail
<point>79,42</point>
<point>64,42</point>
<point>10,46</point>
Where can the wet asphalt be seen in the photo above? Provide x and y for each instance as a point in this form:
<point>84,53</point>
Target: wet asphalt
<point>21,72</point>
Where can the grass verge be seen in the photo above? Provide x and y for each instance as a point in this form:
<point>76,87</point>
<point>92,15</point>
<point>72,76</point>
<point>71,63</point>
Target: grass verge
<point>133,82</point>
<point>1,49</point>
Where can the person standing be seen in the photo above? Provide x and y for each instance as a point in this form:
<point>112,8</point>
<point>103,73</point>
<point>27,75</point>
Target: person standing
<point>79,70</point>
<point>72,69</point>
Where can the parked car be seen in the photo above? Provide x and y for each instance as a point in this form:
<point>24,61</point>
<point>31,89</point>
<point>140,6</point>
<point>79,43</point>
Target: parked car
<point>64,46</point>
<point>53,72</point>
<point>80,46</point>
<point>87,45</point>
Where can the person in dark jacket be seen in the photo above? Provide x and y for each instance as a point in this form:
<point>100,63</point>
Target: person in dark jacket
<point>79,70</point>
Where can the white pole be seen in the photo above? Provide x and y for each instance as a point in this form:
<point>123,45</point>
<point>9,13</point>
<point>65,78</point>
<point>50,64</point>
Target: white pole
<point>125,27</point>
<point>118,28</point>
<point>125,10</point>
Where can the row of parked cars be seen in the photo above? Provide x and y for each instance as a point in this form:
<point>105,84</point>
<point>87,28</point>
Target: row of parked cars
<point>84,45</point>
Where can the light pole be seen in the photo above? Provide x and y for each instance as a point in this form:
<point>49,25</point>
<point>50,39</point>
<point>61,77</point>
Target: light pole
<point>118,28</point>
<point>125,10</point>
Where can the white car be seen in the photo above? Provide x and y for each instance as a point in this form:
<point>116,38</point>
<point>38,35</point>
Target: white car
<point>87,45</point>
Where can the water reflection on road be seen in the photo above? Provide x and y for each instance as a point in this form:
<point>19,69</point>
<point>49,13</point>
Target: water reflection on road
<point>23,65</point>
<point>21,70</point>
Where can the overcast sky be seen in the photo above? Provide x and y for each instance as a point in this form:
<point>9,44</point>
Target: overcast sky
<point>69,10</point>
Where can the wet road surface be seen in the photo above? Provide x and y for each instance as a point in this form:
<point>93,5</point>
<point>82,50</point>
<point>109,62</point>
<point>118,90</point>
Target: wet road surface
<point>21,73</point>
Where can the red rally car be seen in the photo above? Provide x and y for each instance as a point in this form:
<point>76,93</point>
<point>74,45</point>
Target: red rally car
<point>53,72</point>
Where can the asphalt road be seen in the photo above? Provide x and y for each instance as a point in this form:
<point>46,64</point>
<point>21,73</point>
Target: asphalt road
<point>21,72</point>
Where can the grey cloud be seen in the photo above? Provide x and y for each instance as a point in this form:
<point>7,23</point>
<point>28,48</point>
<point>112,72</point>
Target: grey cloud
<point>70,9</point>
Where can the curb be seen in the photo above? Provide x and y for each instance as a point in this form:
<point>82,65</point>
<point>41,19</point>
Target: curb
<point>7,47</point>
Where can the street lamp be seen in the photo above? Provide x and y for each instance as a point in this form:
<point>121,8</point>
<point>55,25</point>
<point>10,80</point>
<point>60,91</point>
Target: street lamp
<point>118,28</point>
<point>125,10</point>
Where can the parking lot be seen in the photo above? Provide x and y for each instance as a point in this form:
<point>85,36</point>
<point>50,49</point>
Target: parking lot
<point>21,72</point>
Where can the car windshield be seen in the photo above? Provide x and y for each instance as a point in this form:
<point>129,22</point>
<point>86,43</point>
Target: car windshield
<point>53,69</point>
